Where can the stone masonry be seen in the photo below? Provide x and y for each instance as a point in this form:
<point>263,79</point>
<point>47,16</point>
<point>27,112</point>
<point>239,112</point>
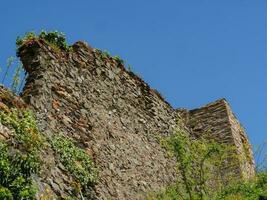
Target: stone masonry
<point>218,120</point>
<point>116,118</point>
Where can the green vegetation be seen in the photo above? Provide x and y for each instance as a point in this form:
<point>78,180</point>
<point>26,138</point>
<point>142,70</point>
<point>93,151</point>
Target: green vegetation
<point>27,37</point>
<point>245,190</point>
<point>15,67</point>
<point>196,159</point>
<point>16,78</point>
<point>10,61</point>
<point>77,162</point>
<point>118,60</point>
<point>200,163</point>
<point>19,159</point>
<point>238,190</point>
<point>56,39</point>
<point>106,55</point>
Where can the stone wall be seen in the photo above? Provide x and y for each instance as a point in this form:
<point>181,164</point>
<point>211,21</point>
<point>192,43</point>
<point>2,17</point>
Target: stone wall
<point>115,117</point>
<point>217,120</point>
<point>108,111</point>
<point>244,149</point>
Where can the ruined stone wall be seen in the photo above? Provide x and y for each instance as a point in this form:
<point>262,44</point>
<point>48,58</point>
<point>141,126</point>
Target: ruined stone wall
<point>217,120</point>
<point>108,111</point>
<point>114,116</point>
<point>244,149</point>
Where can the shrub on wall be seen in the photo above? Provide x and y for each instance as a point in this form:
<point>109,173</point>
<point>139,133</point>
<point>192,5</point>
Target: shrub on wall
<point>55,39</point>
<point>200,163</point>
<point>77,162</point>
<point>20,158</point>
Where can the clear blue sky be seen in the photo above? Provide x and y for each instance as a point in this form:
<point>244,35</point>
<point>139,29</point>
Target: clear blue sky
<point>193,52</point>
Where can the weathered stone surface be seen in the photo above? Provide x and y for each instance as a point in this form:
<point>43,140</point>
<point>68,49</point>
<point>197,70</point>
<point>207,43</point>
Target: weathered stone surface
<point>115,117</point>
<point>218,119</point>
<point>5,133</point>
<point>108,111</point>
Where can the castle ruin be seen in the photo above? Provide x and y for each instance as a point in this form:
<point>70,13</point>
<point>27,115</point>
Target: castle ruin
<point>116,118</point>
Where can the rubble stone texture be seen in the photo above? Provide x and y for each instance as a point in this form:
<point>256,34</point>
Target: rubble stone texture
<point>116,118</point>
<point>218,120</point>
